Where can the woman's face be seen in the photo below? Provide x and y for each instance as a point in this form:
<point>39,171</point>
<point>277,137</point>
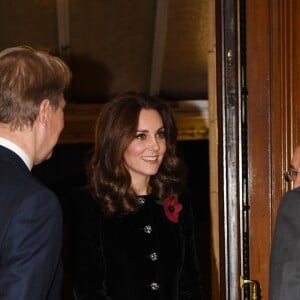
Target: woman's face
<point>145,153</point>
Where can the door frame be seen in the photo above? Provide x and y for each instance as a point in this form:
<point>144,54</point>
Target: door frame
<point>273,104</point>
<point>226,155</point>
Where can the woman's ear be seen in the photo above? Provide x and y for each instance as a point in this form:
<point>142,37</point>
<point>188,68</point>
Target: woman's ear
<point>43,113</point>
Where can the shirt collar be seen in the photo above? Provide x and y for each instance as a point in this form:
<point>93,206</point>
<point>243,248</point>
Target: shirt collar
<point>16,149</point>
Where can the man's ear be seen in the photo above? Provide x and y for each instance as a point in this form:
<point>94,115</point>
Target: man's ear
<point>43,114</point>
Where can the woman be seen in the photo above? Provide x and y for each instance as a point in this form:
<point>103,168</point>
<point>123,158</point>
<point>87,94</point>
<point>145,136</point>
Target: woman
<point>133,235</point>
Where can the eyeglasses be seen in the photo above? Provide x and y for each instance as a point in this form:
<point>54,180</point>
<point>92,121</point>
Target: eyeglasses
<point>291,174</point>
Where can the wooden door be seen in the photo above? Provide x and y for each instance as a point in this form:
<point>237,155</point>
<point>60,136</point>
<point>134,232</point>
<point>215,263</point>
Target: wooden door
<point>257,82</point>
<point>273,48</point>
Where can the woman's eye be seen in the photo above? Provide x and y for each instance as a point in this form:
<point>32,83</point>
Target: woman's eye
<point>161,134</point>
<point>141,136</point>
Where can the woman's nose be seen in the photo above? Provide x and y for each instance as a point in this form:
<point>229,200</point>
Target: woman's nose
<point>154,143</point>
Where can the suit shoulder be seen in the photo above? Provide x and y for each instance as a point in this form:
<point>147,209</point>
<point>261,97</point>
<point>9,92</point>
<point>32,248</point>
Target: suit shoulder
<point>292,195</point>
<point>290,203</point>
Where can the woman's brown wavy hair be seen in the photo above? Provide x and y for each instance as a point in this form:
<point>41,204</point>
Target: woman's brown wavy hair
<point>116,127</point>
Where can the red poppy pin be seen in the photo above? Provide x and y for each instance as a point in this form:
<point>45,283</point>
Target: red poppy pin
<point>172,208</point>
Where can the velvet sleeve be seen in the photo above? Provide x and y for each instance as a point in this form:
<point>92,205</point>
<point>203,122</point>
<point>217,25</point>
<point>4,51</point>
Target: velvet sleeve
<point>88,264</point>
<point>190,283</point>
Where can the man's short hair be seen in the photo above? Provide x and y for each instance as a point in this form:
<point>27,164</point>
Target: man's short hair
<point>27,77</point>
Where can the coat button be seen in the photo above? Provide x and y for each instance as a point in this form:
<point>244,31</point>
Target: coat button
<point>148,229</point>
<point>142,200</point>
<point>153,256</point>
<point>154,286</point>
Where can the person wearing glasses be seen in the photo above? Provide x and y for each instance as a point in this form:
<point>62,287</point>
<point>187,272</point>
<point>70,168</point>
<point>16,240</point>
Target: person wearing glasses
<point>285,247</point>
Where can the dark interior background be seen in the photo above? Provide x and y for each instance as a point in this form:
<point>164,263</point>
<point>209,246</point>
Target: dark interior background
<point>110,50</point>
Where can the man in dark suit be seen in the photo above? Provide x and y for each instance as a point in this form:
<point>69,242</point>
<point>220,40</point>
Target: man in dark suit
<point>285,249</point>
<point>32,84</point>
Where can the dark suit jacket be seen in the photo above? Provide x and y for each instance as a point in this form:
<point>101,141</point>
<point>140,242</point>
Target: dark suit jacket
<point>30,234</point>
<point>139,256</point>
<point>285,252</point>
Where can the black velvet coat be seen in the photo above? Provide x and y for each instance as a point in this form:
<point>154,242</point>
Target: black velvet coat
<point>139,256</point>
